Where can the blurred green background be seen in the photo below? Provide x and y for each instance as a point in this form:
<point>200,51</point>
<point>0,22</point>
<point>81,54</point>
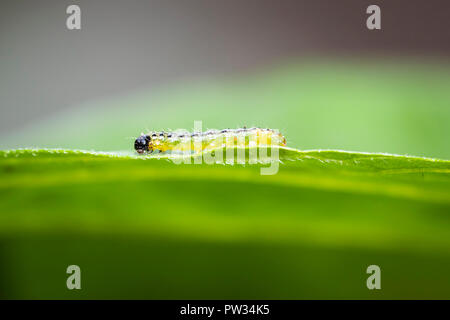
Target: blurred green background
<point>139,231</point>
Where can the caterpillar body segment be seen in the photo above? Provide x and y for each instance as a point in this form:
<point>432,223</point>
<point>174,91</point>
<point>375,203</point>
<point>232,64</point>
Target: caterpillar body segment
<point>183,141</point>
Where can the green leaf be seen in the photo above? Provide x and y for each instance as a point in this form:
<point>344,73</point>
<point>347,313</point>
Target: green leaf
<point>143,227</point>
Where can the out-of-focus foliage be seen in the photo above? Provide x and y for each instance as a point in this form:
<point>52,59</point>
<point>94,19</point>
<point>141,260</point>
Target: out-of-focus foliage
<point>373,106</point>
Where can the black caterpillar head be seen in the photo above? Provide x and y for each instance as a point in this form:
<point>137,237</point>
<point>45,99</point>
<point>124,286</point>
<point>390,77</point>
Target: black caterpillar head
<point>142,144</point>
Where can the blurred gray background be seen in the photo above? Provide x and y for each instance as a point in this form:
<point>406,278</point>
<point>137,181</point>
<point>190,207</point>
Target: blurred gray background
<point>128,45</point>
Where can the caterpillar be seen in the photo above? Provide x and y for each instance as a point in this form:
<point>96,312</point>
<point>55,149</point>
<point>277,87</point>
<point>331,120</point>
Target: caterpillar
<point>200,141</point>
